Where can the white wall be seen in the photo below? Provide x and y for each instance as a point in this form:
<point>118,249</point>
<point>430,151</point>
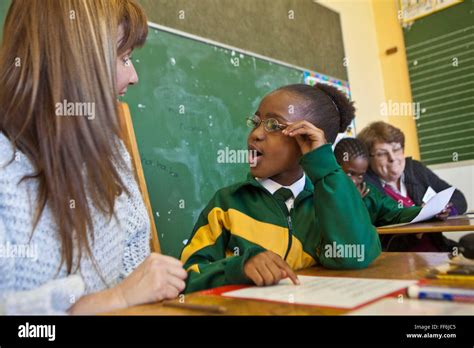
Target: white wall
<point>360,46</point>
<point>461,177</point>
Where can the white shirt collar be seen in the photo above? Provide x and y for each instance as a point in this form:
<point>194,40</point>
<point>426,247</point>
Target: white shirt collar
<point>403,187</point>
<point>271,186</point>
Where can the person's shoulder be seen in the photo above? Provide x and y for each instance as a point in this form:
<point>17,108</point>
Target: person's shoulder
<point>374,195</point>
<point>372,189</point>
<point>14,165</point>
<point>415,168</point>
<point>229,191</point>
<point>6,150</point>
<point>371,178</point>
<point>229,196</point>
<point>410,161</point>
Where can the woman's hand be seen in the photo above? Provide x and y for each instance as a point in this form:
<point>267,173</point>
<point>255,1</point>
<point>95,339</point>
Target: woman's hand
<point>308,136</point>
<point>157,278</point>
<point>363,189</point>
<point>445,213</point>
<point>268,268</point>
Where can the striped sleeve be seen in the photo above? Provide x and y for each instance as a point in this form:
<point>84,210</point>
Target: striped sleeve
<point>205,256</point>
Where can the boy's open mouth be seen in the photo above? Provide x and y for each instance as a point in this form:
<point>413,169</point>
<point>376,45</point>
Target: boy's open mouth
<point>254,154</point>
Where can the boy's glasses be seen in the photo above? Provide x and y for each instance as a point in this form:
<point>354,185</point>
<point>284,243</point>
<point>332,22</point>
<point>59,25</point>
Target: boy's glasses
<point>270,124</point>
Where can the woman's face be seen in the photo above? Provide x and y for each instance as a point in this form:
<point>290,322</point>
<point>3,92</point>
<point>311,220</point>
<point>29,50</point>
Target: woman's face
<point>387,160</point>
<point>126,73</point>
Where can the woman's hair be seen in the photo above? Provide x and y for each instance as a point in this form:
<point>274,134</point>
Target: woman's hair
<point>324,106</point>
<point>381,132</point>
<point>348,149</point>
<point>57,51</point>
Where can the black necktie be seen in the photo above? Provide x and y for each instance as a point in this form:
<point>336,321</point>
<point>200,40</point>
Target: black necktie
<point>282,195</point>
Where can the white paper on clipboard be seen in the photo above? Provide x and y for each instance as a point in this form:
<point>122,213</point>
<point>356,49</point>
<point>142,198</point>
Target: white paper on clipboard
<point>435,205</point>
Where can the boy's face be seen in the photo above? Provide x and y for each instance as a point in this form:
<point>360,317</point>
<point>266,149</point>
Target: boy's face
<point>278,155</point>
<point>355,168</point>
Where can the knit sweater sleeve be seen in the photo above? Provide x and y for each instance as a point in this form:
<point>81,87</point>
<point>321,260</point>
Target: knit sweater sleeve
<point>53,297</point>
<point>137,244</point>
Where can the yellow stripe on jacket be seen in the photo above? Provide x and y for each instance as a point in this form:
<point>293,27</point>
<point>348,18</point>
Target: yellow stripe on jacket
<point>268,236</point>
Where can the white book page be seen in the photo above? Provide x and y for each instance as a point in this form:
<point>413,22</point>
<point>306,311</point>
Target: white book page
<point>428,194</point>
<point>324,291</point>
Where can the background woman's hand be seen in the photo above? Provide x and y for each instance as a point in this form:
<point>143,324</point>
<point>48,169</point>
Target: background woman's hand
<point>445,213</point>
<point>363,189</point>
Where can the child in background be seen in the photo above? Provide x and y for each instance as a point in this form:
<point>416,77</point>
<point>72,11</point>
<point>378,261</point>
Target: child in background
<point>296,208</point>
<point>353,157</point>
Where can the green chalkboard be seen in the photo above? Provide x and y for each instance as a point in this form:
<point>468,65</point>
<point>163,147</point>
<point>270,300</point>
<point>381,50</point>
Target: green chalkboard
<point>440,53</point>
<point>190,106</point>
<point>4,5</point>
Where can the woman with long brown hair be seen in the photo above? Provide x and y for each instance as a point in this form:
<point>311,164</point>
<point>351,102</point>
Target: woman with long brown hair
<point>73,227</point>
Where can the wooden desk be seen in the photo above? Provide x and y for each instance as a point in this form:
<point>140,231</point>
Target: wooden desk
<point>459,224</point>
<point>388,265</point>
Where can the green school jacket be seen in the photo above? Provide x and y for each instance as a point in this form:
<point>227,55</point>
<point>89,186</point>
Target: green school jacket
<point>243,220</point>
<point>383,210</point>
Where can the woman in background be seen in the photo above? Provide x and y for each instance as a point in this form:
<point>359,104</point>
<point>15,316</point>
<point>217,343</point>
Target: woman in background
<point>406,181</point>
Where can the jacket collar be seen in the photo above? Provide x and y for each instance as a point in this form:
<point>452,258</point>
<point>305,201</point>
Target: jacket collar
<point>252,182</point>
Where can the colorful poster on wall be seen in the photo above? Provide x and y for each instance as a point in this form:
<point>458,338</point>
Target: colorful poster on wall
<point>414,9</point>
<point>311,79</point>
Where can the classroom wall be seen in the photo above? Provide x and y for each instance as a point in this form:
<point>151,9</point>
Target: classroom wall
<point>394,68</point>
<point>461,176</point>
<point>362,53</point>
<point>374,77</point>
<point>299,32</point>
<point>397,88</point>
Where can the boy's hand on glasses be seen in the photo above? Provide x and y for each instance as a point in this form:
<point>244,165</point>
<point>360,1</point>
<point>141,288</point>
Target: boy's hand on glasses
<point>268,268</point>
<point>308,136</point>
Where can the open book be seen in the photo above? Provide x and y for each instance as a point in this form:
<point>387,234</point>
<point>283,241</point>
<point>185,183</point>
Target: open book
<point>433,207</point>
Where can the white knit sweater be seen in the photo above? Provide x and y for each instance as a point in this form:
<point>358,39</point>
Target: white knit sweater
<point>29,279</point>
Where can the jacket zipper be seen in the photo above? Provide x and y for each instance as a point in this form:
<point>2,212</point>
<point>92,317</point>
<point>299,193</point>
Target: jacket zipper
<point>290,228</point>
<point>290,235</point>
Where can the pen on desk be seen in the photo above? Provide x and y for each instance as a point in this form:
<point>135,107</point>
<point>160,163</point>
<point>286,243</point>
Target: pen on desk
<point>441,293</point>
<point>196,307</point>
<point>453,277</point>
